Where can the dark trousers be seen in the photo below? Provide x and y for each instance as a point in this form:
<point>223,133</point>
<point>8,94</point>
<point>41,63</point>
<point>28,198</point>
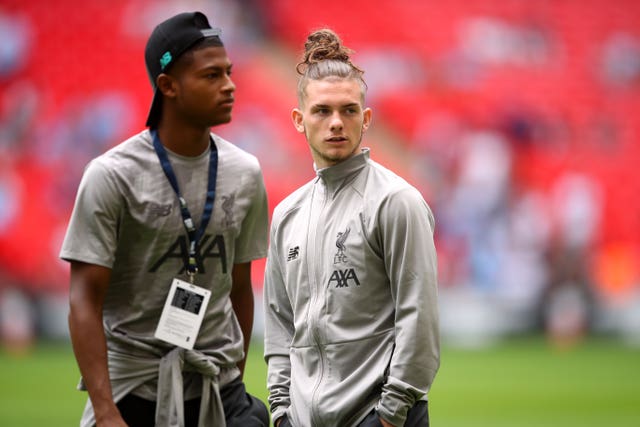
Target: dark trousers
<point>418,416</point>
<point>240,409</point>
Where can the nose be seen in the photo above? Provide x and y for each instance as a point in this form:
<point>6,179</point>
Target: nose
<point>336,122</point>
<point>229,86</point>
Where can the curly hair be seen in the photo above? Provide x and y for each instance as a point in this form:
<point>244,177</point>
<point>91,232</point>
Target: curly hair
<point>326,57</point>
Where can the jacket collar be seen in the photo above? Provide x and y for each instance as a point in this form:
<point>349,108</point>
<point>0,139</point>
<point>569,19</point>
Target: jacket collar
<point>334,175</point>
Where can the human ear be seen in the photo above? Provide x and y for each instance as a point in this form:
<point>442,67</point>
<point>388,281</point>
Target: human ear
<point>367,113</point>
<point>297,117</point>
<point>166,85</point>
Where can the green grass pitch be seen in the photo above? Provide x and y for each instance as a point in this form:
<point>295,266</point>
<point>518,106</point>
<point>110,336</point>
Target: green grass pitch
<point>520,383</point>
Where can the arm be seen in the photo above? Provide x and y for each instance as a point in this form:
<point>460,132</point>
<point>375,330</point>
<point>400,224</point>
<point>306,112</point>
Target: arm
<point>242,302</point>
<point>278,334</point>
<point>406,230</point>
<point>251,244</point>
<point>88,287</point>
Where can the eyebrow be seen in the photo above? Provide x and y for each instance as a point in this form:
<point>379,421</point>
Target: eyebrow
<point>225,67</point>
<point>352,104</point>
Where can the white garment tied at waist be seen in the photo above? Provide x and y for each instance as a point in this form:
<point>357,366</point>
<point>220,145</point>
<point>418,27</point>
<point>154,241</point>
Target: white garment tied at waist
<point>128,372</point>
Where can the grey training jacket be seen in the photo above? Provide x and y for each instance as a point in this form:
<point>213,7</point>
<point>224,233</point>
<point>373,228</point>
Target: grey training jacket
<point>351,298</point>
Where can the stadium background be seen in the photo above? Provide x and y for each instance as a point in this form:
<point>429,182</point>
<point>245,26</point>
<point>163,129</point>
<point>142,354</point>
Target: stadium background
<point>516,119</point>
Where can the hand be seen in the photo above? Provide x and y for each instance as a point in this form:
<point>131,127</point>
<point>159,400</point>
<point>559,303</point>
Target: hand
<point>386,424</point>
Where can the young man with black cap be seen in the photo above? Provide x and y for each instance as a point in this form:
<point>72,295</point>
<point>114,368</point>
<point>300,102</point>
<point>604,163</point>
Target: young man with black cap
<point>160,242</point>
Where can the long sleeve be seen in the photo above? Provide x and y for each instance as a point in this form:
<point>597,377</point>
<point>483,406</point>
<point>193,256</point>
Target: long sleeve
<point>406,232</point>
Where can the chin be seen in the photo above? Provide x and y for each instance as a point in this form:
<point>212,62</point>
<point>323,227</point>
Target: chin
<point>220,121</point>
<point>339,155</point>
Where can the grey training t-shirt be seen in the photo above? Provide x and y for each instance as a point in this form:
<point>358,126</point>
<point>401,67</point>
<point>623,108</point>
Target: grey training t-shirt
<point>127,217</point>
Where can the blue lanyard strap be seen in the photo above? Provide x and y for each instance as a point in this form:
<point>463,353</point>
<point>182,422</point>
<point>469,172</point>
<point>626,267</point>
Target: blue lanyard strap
<point>194,235</point>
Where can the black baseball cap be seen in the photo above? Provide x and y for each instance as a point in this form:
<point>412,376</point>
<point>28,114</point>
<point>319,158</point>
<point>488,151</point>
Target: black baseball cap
<point>169,40</point>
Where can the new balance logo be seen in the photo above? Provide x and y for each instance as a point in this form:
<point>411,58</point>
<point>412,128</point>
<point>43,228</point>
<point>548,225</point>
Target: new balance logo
<point>293,253</point>
<point>157,210</point>
<point>343,278</point>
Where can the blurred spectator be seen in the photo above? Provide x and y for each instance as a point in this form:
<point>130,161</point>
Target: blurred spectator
<point>475,210</point>
<point>405,65</point>
<point>16,35</point>
<point>525,270</point>
<point>10,196</point>
<point>19,106</point>
<point>568,303</point>
<point>620,60</point>
<point>492,41</point>
<point>17,321</point>
<point>83,128</point>
<point>577,202</point>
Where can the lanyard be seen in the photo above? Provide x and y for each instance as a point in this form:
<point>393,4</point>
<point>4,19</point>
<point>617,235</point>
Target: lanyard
<point>194,235</point>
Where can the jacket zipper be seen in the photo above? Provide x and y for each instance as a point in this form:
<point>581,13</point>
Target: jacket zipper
<point>316,300</point>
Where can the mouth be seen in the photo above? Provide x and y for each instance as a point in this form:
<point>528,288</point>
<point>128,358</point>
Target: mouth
<point>336,139</point>
<point>227,102</point>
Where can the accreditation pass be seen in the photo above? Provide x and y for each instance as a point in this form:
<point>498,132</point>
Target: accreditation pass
<point>182,314</point>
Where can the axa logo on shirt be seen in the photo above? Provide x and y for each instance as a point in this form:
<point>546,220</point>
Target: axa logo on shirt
<point>209,247</point>
<point>342,278</point>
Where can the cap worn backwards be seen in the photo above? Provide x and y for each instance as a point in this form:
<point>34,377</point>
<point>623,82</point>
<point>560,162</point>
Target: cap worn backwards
<point>169,40</point>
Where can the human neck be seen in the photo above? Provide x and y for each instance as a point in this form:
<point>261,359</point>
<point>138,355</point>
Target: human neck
<point>185,141</point>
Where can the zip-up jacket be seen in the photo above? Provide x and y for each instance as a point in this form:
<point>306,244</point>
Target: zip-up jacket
<point>351,298</point>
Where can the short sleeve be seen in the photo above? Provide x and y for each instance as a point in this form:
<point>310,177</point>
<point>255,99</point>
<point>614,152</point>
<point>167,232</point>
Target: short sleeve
<point>251,243</point>
<point>92,233</point>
